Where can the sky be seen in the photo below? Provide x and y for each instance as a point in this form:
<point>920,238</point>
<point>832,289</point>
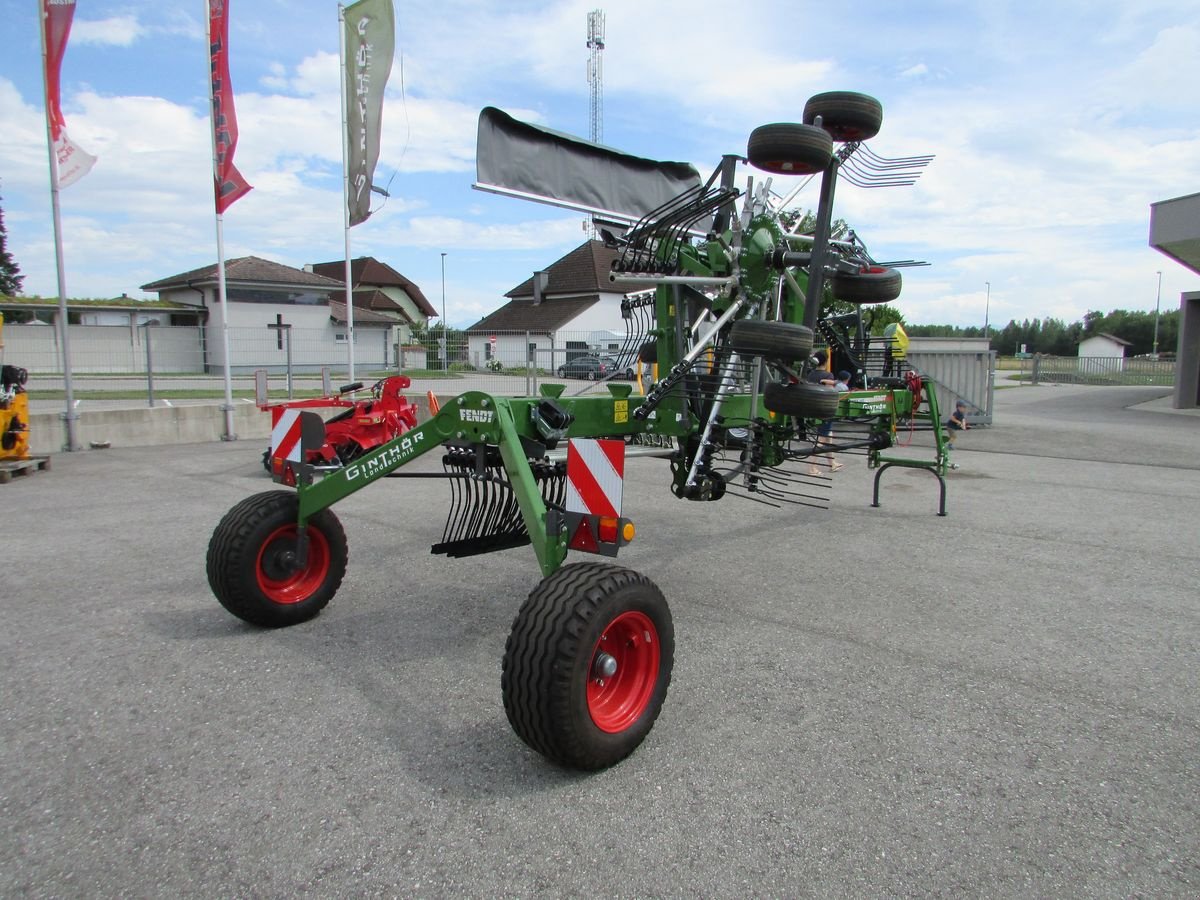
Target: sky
<point>1054,126</point>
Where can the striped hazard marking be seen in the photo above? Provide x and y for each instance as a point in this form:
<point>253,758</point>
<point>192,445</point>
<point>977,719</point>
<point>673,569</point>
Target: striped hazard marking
<point>595,475</point>
<point>285,436</point>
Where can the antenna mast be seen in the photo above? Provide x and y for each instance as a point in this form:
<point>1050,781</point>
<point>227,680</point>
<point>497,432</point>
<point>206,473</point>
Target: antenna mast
<point>595,77</point>
<point>595,73</point>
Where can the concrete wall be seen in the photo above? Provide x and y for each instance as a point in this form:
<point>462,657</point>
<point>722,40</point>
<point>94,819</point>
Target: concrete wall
<point>162,425</point>
<point>147,427</point>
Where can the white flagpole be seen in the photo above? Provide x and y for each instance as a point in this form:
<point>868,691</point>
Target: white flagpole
<point>346,185</point>
<point>222,300</point>
<point>70,417</point>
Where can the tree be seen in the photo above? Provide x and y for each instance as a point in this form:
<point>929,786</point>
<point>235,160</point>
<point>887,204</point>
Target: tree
<point>10,272</point>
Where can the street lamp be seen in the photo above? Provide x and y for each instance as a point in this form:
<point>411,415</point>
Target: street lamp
<point>1157,301</point>
<point>445,361</point>
<point>987,306</point>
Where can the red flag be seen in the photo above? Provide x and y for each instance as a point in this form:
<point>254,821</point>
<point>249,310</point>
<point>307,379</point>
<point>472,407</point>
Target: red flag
<point>227,180</point>
<point>73,162</point>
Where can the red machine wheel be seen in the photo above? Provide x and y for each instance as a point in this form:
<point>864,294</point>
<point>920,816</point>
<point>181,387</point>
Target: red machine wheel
<point>281,582</point>
<point>587,664</point>
<point>252,561</point>
<point>616,702</point>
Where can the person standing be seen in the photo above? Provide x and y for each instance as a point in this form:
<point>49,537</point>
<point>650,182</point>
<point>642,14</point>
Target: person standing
<point>895,349</point>
<point>840,382</point>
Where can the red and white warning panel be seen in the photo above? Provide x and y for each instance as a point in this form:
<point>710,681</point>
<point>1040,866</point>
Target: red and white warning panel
<point>294,433</point>
<point>595,480</point>
<point>285,436</point>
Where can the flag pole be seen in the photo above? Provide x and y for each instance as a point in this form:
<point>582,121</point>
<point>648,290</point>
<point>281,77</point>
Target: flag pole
<point>70,417</point>
<point>346,186</point>
<point>227,407</point>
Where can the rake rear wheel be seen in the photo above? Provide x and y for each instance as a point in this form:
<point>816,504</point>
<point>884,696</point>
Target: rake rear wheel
<point>787,148</point>
<point>587,664</point>
<point>846,115</point>
<point>252,561</point>
<point>774,340</point>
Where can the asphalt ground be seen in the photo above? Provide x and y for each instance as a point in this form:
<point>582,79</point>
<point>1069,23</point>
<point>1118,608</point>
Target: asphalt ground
<point>866,702</point>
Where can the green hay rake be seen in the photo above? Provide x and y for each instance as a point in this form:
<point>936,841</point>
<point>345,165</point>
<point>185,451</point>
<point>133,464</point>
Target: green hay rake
<point>728,318</point>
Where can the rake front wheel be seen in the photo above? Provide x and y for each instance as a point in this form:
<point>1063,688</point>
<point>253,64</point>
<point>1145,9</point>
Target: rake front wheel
<point>255,567</point>
<point>587,664</point>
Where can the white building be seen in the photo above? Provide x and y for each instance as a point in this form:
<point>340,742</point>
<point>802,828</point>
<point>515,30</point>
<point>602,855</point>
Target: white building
<point>1108,351</point>
<point>578,311</point>
<point>276,311</point>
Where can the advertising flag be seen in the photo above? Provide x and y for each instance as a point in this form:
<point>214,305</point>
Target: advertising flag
<point>73,162</point>
<point>227,180</point>
<point>370,37</point>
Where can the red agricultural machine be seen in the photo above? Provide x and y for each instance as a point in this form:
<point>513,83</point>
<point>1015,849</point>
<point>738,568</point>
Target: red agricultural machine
<point>362,425</point>
<point>728,315</point>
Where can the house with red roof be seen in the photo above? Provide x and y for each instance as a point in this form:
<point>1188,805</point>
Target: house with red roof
<point>576,306</point>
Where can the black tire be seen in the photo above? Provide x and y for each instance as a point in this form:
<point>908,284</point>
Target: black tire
<point>267,460</point>
<point>774,340</point>
<point>629,374</point>
<point>787,148</point>
<point>553,698</point>
<point>876,284</point>
<point>847,116</point>
<point>802,400</point>
<point>648,352</point>
<point>591,376</point>
<point>562,373</point>
<point>248,565</point>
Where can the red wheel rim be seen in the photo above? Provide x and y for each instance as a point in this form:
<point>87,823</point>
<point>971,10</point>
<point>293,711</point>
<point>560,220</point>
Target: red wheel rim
<point>617,701</point>
<point>280,581</point>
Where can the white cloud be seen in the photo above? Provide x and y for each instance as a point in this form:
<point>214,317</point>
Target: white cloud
<point>118,31</point>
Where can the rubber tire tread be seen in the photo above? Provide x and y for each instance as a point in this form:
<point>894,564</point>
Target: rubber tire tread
<point>802,400</point>
<point>233,555</point>
<point>544,680</point>
<point>788,148</point>
<point>775,340</point>
<point>846,115</point>
<point>881,286</point>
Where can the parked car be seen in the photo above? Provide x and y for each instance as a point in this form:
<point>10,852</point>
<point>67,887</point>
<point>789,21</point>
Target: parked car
<point>594,366</point>
<point>589,367</point>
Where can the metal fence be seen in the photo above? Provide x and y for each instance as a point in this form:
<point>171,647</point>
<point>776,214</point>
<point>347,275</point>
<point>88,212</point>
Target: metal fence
<point>167,361</point>
<point>157,360</point>
<point>1102,370</point>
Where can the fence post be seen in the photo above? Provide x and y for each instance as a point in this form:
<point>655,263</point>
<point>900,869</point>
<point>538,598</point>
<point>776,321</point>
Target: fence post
<point>145,326</point>
<point>1037,364</point>
<point>262,395</point>
<point>530,374</point>
<point>287,332</point>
